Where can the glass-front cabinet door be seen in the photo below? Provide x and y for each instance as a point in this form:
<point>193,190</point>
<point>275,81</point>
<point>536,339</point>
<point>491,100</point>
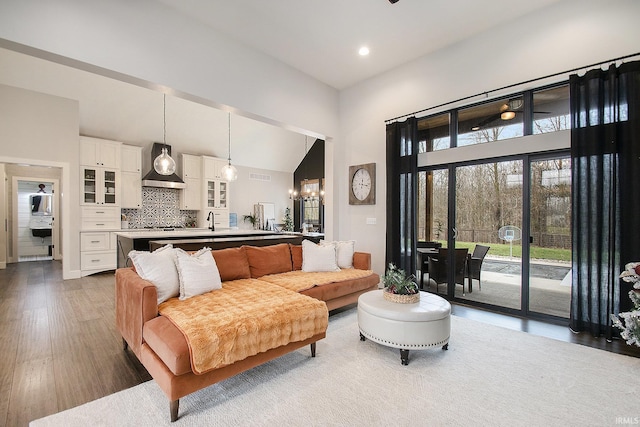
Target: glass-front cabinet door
<point>211,194</point>
<point>100,186</point>
<point>222,194</point>
<point>217,194</point>
<point>110,193</point>
<point>89,186</point>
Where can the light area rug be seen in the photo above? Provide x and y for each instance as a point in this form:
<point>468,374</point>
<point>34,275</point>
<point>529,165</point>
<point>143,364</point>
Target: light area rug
<point>490,376</point>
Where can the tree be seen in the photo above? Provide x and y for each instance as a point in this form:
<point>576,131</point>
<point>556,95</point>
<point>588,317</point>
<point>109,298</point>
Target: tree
<point>288,222</point>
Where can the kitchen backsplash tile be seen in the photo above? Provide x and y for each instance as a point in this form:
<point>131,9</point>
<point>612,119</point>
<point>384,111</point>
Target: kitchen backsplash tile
<point>160,208</point>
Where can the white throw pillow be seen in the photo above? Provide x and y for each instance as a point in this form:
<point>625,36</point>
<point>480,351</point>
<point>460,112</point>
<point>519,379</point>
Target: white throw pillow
<point>318,258</point>
<point>159,268</point>
<point>198,273</point>
<point>344,252</point>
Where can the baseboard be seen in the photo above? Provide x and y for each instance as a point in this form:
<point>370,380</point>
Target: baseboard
<point>72,274</point>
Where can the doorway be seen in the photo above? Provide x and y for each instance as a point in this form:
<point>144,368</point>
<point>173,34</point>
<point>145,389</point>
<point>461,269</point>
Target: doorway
<point>520,208</point>
<point>34,219</point>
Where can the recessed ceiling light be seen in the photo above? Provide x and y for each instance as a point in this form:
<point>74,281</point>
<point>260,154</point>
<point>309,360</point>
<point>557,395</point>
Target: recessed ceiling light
<point>364,51</point>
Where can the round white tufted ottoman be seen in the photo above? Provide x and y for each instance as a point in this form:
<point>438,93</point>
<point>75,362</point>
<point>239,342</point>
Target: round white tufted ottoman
<point>405,326</point>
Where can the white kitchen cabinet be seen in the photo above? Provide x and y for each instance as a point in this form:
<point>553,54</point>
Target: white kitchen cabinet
<point>220,218</point>
<point>131,158</point>
<point>213,167</point>
<point>217,201</point>
<point>131,177</point>
<point>191,166</point>
<point>97,252</point>
<point>100,217</point>
<point>191,196</point>
<point>99,186</point>
<point>100,152</point>
<point>100,199</point>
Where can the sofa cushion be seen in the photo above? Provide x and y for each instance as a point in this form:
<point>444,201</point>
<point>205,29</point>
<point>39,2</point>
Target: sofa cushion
<point>318,258</point>
<point>159,268</point>
<point>198,273</point>
<point>265,260</point>
<point>168,343</point>
<point>296,256</point>
<point>232,263</point>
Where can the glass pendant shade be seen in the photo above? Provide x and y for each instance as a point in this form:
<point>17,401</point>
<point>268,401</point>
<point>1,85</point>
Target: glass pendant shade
<point>229,172</point>
<point>164,164</point>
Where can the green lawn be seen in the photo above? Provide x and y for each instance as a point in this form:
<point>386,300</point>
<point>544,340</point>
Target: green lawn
<point>537,252</point>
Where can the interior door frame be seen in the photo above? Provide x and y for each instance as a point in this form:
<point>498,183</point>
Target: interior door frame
<point>55,229</point>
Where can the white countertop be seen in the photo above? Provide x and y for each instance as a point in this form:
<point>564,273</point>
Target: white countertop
<point>142,233</point>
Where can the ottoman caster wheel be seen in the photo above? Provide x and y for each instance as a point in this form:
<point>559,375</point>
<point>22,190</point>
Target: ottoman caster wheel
<point>446,346</point>
<point>362,338</point>
<point>404,357</point>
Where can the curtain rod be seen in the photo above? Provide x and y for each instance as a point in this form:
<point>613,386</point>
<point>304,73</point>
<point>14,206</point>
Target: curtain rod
<point>511,86</point>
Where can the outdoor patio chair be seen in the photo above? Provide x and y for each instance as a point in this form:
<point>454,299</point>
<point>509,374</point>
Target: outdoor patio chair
<point>439,266</point>
<point>427,248</point>
<point>475,265</point>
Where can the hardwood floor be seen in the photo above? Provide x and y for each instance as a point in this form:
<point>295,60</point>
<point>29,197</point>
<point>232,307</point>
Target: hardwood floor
<point>60,348</point>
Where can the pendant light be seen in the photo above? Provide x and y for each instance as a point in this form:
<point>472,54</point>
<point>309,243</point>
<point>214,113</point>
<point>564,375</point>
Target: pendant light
<point>164,164</point>
<point>229,172</point>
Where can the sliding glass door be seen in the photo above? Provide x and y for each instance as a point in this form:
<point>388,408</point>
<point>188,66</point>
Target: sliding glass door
<point>518,208</point>
<point>550,225</point>
<point>488,206</point>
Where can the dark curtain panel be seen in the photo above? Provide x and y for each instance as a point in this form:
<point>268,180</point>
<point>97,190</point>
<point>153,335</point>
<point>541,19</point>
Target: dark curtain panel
<point>402,160</point>
<point>605,151</point>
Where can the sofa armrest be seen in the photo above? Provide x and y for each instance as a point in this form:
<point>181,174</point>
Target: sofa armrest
<point>136,303</point>
<point>362,260</point>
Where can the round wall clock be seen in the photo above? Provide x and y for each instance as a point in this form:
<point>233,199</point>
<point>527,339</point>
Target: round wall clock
<point>362,184</point>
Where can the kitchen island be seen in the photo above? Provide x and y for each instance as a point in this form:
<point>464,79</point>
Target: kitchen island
<point>196,238</point>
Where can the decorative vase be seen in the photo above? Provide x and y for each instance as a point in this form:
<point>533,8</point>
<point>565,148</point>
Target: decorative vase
<point>401,299</point>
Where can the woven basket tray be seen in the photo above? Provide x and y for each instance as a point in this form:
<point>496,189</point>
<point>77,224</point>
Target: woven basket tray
<point>402,299</point>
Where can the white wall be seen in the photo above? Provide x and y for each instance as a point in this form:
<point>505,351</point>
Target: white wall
<point>150,41</point>
<point>245,192</point>
<point>570,34</point>
<point>42,130</point>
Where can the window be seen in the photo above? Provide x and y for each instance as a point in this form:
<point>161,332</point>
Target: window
<point>433,133</point>
<point>551,110</point>
<point>536,111</point>
<point>491,121</point>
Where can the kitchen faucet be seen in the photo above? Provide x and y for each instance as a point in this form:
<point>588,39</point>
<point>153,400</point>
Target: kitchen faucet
<point>211,218</point>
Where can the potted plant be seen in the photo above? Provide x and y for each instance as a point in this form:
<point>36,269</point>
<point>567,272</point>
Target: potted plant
<point>253,219</point>
<point>398,287</point>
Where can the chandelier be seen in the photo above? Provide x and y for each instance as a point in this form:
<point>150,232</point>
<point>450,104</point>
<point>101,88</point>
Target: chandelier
<point>309,189</point>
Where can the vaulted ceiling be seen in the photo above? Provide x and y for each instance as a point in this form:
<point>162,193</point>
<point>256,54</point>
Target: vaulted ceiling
<point>322,38</point>
<point>319,38</point>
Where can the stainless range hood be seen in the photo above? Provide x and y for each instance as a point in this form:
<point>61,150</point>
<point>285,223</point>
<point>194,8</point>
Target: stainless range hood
<point>154,179</point>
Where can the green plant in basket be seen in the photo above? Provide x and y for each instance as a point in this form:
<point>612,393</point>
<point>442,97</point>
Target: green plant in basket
<point>397,282</point>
